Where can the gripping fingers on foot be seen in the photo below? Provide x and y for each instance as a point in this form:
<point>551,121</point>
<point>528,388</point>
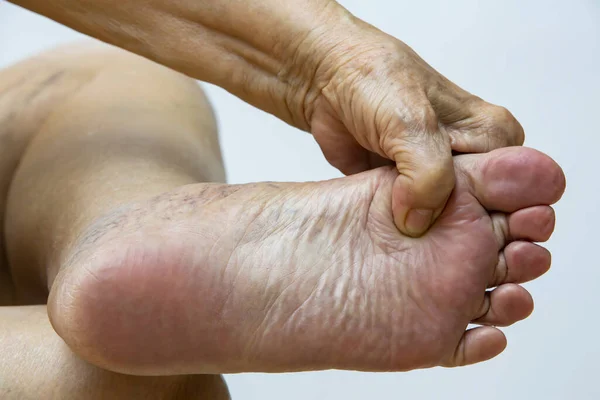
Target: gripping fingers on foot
<point>504,306</point>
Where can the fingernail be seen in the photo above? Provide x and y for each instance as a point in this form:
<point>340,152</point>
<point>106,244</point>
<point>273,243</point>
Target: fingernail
<point>418,221</point>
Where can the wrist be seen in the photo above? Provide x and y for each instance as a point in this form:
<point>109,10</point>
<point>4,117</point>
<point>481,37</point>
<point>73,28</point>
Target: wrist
<point>267,54</point>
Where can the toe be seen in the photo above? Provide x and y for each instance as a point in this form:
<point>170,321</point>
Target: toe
<point>477,345</point>
<point>521,262</point>
<point>504,306</point>
<point>534,223</point>
<point>501,229</point>
<point>512,178</point>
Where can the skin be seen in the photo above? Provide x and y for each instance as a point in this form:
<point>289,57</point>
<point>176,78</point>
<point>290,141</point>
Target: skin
<point>36,364</point>
<point>35,361</point>
<point>368,98</point>
<point>154,268</point>
<point>294,277</point>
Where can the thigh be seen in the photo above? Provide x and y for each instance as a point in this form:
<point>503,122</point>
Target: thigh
<point>28,92</point>
<point>124,129</point>
<point>36,364</point>
<point>89,129</point>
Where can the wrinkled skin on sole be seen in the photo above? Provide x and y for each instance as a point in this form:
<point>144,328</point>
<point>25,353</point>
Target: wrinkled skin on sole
<point>287,277</point>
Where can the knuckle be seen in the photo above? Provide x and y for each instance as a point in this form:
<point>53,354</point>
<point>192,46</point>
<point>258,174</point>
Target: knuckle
<point>442,178</point>
<point>506,127</point>
<point>411,126</point>
<point>502,115</point>
<point>426,165</point>
<point>429,178</point>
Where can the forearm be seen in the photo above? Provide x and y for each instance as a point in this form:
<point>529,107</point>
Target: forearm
<point>263,51</point>
<point>36,364</point>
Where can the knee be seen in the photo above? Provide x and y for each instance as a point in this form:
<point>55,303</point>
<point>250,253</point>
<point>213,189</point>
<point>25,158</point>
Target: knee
<point>168,103</point>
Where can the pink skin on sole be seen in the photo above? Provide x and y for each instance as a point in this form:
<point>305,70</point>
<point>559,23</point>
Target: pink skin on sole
<point>286,277</point>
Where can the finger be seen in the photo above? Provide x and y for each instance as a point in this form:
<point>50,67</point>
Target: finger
<point>424,160</point>
<point>504,306</point>
<point>340,148</point>
<point>376,161</point>
<point>477,345</point>
<point>520,262</point>
<point>487,127</point>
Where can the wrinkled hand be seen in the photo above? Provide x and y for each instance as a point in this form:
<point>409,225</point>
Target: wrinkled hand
<point>367,98</point>
<point>381,103</point>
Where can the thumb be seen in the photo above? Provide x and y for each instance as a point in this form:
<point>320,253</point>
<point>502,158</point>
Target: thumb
<point>426,180</point>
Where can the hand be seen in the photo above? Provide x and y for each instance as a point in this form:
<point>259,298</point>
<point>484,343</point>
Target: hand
<point>367,97</point>
<point>380,103</point>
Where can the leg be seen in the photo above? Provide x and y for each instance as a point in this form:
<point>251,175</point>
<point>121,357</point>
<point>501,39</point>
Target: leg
<point>36,364</point>
<point>32,94</point>
<point>267,277</point>
<point>31,89</point>
<point>130,131</point>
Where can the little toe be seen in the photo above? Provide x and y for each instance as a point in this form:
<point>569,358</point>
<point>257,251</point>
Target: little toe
<point>504,306</point>
<point>512,178</point>
<point>533,223</point>
<point>477,345</point>
<point>521,262</point>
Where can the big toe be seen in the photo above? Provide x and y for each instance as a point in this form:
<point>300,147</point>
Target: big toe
<point>511,178</point>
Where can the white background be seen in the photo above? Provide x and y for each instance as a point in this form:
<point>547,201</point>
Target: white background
<point>541,59</point>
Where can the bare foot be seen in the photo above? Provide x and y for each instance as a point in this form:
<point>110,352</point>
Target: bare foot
<point>283,277</point>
